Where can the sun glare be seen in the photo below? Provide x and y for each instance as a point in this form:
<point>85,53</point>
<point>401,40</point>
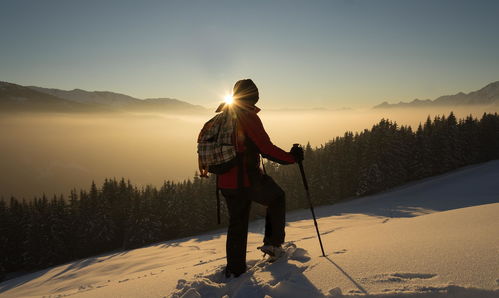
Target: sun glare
<point>228,99</point>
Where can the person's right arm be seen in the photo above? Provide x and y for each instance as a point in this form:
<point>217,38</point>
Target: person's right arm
<point>253,128</point>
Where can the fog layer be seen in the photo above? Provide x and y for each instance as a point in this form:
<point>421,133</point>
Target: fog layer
<point>53,153</point>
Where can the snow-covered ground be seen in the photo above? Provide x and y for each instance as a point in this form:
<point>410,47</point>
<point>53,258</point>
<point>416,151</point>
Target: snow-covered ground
<point>433,238</point>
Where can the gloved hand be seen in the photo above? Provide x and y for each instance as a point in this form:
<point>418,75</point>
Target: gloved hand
<point>297,153</point>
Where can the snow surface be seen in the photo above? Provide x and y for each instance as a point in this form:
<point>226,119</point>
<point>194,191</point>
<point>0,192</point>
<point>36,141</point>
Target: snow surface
<point>433,238</point>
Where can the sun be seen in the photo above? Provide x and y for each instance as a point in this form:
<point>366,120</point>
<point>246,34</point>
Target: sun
<point>228,99</point>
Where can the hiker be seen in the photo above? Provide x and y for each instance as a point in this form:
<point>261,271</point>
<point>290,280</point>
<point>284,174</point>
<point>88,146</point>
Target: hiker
<point>246,182</point>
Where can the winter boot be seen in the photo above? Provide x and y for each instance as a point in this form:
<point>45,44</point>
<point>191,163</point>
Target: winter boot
<point>229,273</point>
<point>274,252</point>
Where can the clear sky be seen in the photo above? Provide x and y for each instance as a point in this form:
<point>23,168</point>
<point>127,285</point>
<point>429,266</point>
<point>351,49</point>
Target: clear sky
<point>300,53</point>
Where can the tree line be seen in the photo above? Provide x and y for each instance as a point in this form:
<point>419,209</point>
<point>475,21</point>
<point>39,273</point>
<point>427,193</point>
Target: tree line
<point>388,155</point>
<point>118,215</point>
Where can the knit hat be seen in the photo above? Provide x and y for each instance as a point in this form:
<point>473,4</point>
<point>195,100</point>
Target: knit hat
<point>245,90</point>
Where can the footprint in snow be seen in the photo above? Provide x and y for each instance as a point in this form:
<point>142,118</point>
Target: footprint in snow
<point>414,275</point>
<point>306,238</point>
<point>335,292</point>
<point>402,277</point>
<point>279,279</point>
<point>328,232</point>
<point>202,262</point>
<point>341,251</point>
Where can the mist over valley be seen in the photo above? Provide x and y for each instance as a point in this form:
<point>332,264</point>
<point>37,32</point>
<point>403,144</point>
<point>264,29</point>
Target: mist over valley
<point>56,152</point>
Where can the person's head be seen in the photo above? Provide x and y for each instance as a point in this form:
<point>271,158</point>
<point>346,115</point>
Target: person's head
<point>245,91</point>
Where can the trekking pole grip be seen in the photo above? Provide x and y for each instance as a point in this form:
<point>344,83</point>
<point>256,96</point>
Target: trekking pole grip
<point>302,171</point>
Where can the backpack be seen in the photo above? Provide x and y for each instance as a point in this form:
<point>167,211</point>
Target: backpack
<point>216,148</point>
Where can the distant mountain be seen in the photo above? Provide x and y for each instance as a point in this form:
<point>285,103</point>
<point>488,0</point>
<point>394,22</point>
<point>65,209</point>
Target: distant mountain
<point>488,95</point>
<point>15,97</point>
<point>164,104</point>
<point>82,96</point>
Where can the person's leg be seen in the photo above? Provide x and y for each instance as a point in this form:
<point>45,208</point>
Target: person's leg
<point>268,229</point>
<point>237,233</point>
<point>275,221</point>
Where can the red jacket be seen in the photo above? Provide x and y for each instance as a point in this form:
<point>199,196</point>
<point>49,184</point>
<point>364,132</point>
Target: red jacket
<point>250,126</point>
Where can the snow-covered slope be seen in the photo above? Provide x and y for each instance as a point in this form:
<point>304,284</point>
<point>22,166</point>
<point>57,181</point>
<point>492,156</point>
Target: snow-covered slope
<point>433,238</point>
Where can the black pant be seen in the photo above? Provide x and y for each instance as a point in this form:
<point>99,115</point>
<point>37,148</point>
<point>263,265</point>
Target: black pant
<point>239,204</point>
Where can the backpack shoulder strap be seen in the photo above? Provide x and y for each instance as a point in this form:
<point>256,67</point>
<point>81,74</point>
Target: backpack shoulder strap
<point>263,165</point>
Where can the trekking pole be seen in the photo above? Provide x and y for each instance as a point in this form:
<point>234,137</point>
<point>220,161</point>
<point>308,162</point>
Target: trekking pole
<point>305,184</point>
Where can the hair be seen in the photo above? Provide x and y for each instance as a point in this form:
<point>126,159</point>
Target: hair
<point>245,90</point>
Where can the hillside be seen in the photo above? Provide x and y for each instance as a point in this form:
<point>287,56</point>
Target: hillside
<point>85,97</point>
<point>488,95</point>
<point>433,238</point>
<point>120,101</point>
<point>15,97</point>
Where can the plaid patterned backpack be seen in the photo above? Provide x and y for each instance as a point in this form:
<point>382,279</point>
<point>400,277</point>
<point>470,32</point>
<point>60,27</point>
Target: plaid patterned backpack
<point>216,148</point>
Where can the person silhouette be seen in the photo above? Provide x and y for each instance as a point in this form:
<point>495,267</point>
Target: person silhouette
<point>246,182</point>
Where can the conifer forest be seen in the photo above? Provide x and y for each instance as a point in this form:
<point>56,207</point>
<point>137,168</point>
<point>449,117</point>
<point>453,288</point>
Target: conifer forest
<point>117,215</point>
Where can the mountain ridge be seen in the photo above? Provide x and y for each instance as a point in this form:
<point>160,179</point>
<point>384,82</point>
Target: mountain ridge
<point>14,97</point>
<point>488,95</point>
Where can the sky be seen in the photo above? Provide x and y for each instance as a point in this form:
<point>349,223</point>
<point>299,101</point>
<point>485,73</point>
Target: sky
<point>301,54</point>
